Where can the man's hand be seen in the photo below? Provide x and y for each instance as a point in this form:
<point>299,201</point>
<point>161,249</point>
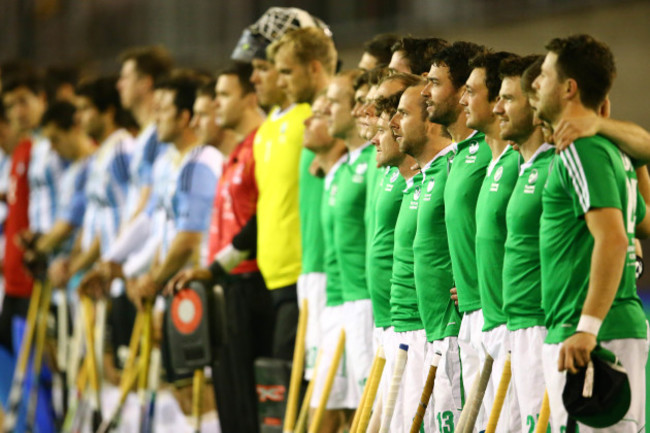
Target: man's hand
<point>184,277</point>
<point>26,240</point>
<point>576,351</point>
<point>59,272</point>
<point>569,130</point>
<point>95,283</point>
<point>145,288</point>
<point>454,295</point>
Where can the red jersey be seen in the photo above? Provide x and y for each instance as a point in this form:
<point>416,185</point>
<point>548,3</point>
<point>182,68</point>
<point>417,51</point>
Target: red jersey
<point>235,202</point>
<point>18,283</point>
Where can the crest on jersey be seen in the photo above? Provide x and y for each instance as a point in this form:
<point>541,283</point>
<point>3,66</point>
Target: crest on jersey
<point>416,193</point>
<point>394,177</point>
<point>283,127</point>
<point>361,168</point>
<point>532,177</point>
<point>430,185</point>
<point>473,147</point>
<point>498,174</point>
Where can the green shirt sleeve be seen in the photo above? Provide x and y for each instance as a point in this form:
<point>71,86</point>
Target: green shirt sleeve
<point>589,177</point>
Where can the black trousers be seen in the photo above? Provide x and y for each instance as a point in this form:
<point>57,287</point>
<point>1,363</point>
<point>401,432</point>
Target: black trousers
<point>250,320</point>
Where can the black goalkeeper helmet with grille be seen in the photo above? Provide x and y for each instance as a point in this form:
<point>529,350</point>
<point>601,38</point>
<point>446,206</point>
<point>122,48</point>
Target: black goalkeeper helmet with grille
<point>271,26</point>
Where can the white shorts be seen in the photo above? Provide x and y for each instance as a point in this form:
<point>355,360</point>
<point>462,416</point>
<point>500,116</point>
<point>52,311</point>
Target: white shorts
<point>472,355</point>
<point>528,372</point>
<point>331,322</point>
<point>312,287</point>
<point>359,327</point>
<point>496,342</point>
<point>408,397</point>
<point>633,354</point>
<point>443,410</point>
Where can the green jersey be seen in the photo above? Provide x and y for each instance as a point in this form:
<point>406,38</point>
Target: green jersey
<point>404,311</point>
<point>592,173</point>
<point>463,184</point>
<point>380,253</point>
<point>522,272</point>
<point>334,289</point>
<point>349,223</point>
<point>311,193</point>
<point>491,234</point>
<point>433,275</point>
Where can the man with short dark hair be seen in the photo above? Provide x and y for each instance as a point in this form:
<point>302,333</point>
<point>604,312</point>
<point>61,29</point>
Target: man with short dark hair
<point>414,55</point>
<point>445,86</point>
<point>522,291</point>
<point>377,51</point>
<point>482,89</point>
<point>232,251</point>
<point>591,209</point>
<point>69,140</point>
<point>141,67</point>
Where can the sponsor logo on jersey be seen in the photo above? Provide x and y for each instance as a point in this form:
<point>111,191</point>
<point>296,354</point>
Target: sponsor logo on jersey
<point>532,179</point>
<point>416,197</point>
<point>498,174</point>
<point>497,177</point>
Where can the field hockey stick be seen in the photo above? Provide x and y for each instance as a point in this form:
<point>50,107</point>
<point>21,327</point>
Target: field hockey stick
<point>372,385</point>
<point>145,357</point>
<point>426,393</point>
<point>73,374</point>
<point>474,405</point>
<point>77,405</point>
<point>500,397</point>
<point>152,385</point>
<point>364,395</point>
<point>544,414</point>
<point>16,393</point>
<point>331,374</point>
<point>296,370</point>
<point>393,390</point>
<point>41,328</point>
<point>91,356</point>
<point>129,377</point>
<point>301,423</point>
<point>198,384</point>
<point>59,379</point>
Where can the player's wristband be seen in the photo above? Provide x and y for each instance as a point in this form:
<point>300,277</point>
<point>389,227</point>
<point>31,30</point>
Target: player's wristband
<point>639,267</point>
<point>589,324</point>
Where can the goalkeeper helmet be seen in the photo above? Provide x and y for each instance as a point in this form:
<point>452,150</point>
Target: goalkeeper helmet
<point>272,26</point>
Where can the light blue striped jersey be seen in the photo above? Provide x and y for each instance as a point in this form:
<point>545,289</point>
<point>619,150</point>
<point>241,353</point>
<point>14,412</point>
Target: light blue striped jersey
<point>189,191</point>
<point>106,189</point>
<point>44,173</point>
<point>146,150</point>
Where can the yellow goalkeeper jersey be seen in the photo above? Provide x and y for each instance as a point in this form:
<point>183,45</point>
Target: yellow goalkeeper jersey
<point>277,149</point>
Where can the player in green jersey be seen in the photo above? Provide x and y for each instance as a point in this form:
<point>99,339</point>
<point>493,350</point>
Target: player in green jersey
<point>479,99</point>
<point>388,202</point>
<point>432,263</point>
<point>445,86</point>
<point>330,154</point>
<point>350,230</point>
<point>522,287</point>
<point>590,209</point>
